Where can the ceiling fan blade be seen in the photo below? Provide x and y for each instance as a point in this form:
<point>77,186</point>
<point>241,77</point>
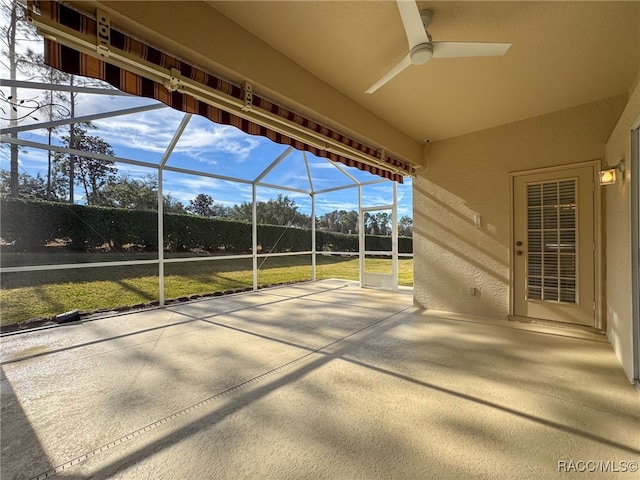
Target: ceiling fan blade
<point>469,49</point>
<point>404,63</point>
<point>412,22</point>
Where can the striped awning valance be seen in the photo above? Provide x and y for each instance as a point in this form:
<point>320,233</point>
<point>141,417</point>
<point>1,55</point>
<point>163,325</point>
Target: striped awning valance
<point>86,63</point>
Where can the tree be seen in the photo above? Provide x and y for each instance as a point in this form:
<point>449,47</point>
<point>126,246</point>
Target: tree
<point>376,224</point>
<point>328,221</point>
<point>341,221</point>
<point>351,222</point>
<point>72,160</point>
<point>171,205</point>
<point>71,165</point>
<point>281,211</point>
<point>371,224</point>
<point>52,108</point>
<point>126,192</point>
<point>205,206</point>
<point>15,30</point>
<point>405,226</point>
<point>9,37</point>
<point>137,194</point>
<point>242,212</point>
<point>383,219</point>
<point>93,174</point>
<point>28,186</point>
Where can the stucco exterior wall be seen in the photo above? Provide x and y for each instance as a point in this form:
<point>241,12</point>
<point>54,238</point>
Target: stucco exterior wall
<point>469,175</point>
<point>616,217</point>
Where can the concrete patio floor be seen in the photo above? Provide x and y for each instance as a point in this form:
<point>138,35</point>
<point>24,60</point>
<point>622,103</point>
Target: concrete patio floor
<point>317,380</point>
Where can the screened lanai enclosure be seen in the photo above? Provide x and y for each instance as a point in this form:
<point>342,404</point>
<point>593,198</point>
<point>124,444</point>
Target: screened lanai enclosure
<point>114,199</point>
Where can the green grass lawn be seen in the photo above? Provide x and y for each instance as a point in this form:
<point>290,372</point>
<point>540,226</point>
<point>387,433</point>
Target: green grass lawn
<point>28,295</point>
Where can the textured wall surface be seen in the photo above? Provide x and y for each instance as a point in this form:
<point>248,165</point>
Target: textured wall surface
<point>469,175</point>
<point>616,215</point>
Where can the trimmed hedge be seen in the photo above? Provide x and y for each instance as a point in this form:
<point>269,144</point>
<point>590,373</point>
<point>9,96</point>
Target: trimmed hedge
<point>31,225</point>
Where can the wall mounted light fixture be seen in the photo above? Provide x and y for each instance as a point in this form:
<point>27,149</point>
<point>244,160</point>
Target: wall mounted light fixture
<point>608,174</point>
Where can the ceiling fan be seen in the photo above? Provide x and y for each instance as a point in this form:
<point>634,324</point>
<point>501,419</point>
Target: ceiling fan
<point>422,49</point>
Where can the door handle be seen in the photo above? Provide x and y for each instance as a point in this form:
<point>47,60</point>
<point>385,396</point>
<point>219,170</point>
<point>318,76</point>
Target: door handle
<point>519,252</point>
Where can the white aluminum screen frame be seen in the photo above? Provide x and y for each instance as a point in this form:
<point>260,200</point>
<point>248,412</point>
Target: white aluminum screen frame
<point>162,166</point>
<point>380,280</point>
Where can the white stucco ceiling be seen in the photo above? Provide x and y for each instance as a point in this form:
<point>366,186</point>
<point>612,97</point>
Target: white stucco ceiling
<point>563,54</point>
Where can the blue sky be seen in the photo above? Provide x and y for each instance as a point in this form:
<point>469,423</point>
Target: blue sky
<point>207,147</point>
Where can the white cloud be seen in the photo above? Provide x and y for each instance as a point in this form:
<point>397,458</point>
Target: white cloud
<point>325,207</point>
<point>202,140</point>
<point>31,160</point>
<point>200,143</point>
<point>186,187</point>
<point>148,131</point>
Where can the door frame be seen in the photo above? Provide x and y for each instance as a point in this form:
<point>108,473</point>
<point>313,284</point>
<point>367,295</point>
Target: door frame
<point>635,249</point>
<point>384,281</point>
<point>597,222</point>
<point>372,280</point>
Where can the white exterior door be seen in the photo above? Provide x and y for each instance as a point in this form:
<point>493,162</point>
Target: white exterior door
<point>379,259</point>
<point>554,245</point>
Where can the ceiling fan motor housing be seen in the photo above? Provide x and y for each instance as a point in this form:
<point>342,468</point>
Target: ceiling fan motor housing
<point>426,16</point>
<point>421,53</point>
